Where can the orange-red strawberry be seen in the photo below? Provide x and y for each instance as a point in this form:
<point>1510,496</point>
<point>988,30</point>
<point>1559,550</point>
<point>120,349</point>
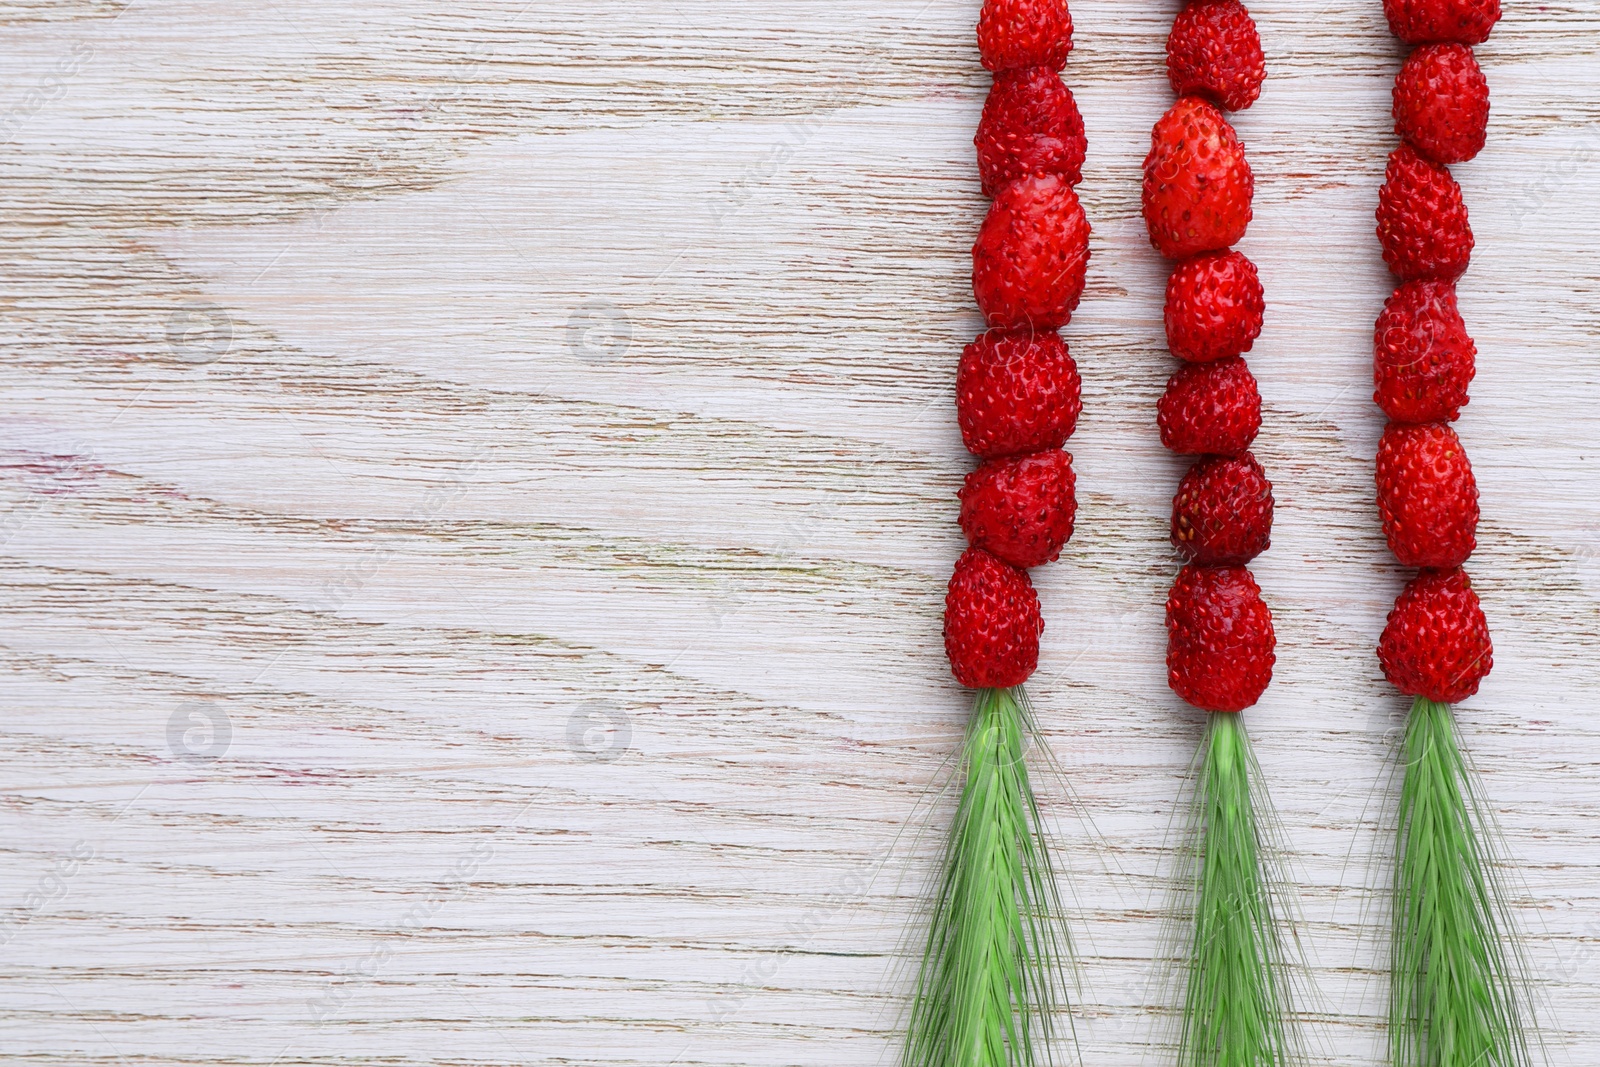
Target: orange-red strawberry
<point>1436,643</point>
<point>991,623</point>
<point>1210,408</point>
<point>1214,51</point>
<point>1197,184</point>
<point>1223,511</point>
<point>1423,359</point>
<point>1024,33</point>
<point>1422,220</point>
<point>1015,393</point>
<point>1441,103</point>
<point>1424,21</point>
<point>1219,638</point>
<point>1030,125</point>
<point>1021,508</point>
<point>1032,251</point>
<point>1214,307</point>
<point>1427,497</point>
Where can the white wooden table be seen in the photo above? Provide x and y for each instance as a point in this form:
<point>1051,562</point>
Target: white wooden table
<point>478,497</point>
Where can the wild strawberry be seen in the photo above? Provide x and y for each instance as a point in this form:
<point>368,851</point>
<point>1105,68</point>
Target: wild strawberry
<point>1031,254</point>
<point>991,623</point>
<point>1024,33</point>
<point>1021,509</point>
<point>1197,184</point>
<point>1030,125</point>
<point>1427,497</point>
<point>1210,408</point>
<point>1223,511</point>
<point>1015,393</point>
<point>1423,359</point>
<point>1422,221</point>
<point>1436,643</point>
<point>1214,51</point>
<point>1214,307</point>
<point>1219,638</point>
<point>1441,103</point>
<point>1424,21</point>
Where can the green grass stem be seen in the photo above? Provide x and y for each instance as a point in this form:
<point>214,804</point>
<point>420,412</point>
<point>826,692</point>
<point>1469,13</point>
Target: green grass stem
<point>989,986</point>
<point>1236,1004</point>
<point>1453,995</point>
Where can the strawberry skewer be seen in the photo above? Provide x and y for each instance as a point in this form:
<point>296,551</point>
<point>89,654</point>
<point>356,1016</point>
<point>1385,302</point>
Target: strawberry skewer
<point>989,988</point>
<point>1455,995</point>
<point>1221,646</point>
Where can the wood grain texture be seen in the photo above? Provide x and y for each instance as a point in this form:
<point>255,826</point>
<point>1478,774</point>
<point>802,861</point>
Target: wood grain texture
<point>478,494</point>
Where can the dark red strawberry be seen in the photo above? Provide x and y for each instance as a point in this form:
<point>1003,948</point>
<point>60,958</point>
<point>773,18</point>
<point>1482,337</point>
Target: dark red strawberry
<point>1016,393</point>
<point>1219,638</point>
<point>1423,359</point>
<point>1031,255</point>
<point>1197,184</point>
<point>1422,220</point>
<point>1024,33</point>
<point>1436,643</point>
<point>1210,407</point>
<point>1030,125</point>
<point>1214,307</point>
<point>1223,511</point>
<point>1021,508</point>
<point>1424,21</point>
<point>1441,103</point>
<point>1214,51</point>
<point>991,623</point>
<point>1427,497</point>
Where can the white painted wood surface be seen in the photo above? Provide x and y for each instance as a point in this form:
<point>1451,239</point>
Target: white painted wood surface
<point>478,495</point>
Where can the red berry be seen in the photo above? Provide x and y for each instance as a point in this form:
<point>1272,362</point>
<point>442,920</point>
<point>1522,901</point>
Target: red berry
<point>1422,221</point>
<point>1441,103</point>
<point>1210,407</point>
<point>1436,643</point>
<point>1423,359</point>
<point>1223,511</point>
<point>1030,125</point>
<point>1024,33</point>
<point>1214,307</point>
<point>1021,508</point>
<point>991,623</point>
<point>1427,497</point>
<point>1219,638</point>
<point>1214,51</point>
<point>1031,255</point>
<point>1461,21</point>
<point>1016,393</point>
<point>1197,184</point>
